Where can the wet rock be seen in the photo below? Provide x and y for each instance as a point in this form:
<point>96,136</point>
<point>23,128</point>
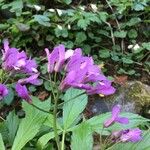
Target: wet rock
<point>133,96</point>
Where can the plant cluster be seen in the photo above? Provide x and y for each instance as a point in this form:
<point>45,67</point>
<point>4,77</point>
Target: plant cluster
<point>112,31</point>
<point>61,114</point>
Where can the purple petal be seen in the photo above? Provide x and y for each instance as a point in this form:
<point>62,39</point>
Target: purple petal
<point>109,122</point>
<point>23,92</point>
<point>122,120</point>
<point>3,91</point>
<point>116,110</point>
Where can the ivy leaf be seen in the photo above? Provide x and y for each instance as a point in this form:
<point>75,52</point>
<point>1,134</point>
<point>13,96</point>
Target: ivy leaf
<point>82,137</point>
<point>32,122</point>
<point>127,60</point>
<point>73,106</point>
<point>120,34</point>
<point>104,53</point>
<point>43,20</point>
<point>133,21</point>
<point>132,33</point>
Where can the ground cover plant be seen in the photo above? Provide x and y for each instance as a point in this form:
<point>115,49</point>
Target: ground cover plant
<point>54,56</point>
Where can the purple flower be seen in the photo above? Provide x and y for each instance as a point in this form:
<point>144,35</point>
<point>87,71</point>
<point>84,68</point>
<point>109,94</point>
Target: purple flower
<point>56,59</point>
<point>13,60</point>
<point>3,91</point>
<point>33,79</point>
<point>115,117</point>
<point>23,92</point>
<point>131,135</point>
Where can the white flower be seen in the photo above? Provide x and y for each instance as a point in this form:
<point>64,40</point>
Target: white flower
<point>37,7</point>
<point>59,12</point>
<point>94,7</point>
<point>59,27</point>
<point>136,47</point>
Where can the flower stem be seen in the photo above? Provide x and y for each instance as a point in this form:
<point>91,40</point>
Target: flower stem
<point>55,123</point>
<point>63,141</point>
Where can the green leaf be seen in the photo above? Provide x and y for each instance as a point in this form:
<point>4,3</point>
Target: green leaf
<point>83,23</point>
<point>132,33</point>
<point>82,138</point>
<point>43,140</point>
<point>73,106</point>
<point>127,60</point>
<point>32,122</point>
<point>133,21</point>
<point>9,98</point>
<point>120,34</point>
<point>146,45</point>
<point>104,53</point>
<point>43,20</point>
<point>67,1</point>
<point>80,37</point>
<point>12,123</point>
<point>2,146</point>
<point>61,32</point>
<point>4,26</point>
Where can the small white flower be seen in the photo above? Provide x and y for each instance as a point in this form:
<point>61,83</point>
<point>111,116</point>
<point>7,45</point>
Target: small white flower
<point>136,47</point>
<point>59,27</point>
<point>37,7</point>
<point>69,27</point>
<point>82,8</point>
<point>94,7</point>
<point>130,46</point>
<point>51,10</point>
<point>59,12</point>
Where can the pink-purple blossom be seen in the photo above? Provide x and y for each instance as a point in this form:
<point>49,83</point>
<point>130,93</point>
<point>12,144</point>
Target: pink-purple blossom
<point>128,135</point>
<point>13,60</point>
<point>115,117</point>
<point>3,91</point>
<point>23,92</point>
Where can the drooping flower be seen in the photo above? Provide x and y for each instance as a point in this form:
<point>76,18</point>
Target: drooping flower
<point>115,117</point>
<point>131,135</point>
<point>3,91</point>
<point>33,79</point>
<point>23,92</point>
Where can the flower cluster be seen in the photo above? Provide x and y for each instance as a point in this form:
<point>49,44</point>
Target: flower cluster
<point>128,135</point>
<point>81,72</point>
<point>15,62</point>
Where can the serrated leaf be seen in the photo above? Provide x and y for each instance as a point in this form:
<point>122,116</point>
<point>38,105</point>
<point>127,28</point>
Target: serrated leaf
<point>32,122</point>
<point>73,107</point>
<point>12,123</point>
<point>82,138</point>
<point>127,60</point>
<point>2,146</point>
<point>83,23</point>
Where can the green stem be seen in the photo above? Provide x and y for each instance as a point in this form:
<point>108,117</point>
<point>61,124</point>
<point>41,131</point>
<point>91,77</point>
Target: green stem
<point>55,123</point>
<point>2,118</point>
<point>63,141</point>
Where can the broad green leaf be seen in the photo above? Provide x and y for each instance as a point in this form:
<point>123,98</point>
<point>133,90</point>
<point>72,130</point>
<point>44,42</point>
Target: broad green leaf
<point>133,21</point>
<point>73,107</point>
<point>43,20</point>
<point>120,34</point>
<point>32,122</point>
<point>82,138</point>
<point>12,123</point>
<point>2,146</point>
